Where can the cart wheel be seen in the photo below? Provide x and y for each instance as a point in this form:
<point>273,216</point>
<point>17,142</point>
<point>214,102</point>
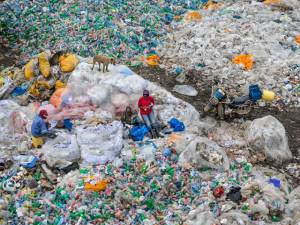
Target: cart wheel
<point>220,111</point>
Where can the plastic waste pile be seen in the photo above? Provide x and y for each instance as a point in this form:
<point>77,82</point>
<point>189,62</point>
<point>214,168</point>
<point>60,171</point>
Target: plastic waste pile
<point>38,79</point>
<point>240,45</point>
<point>135,190</point>
<point>120,28</point>
<point>94,174</point>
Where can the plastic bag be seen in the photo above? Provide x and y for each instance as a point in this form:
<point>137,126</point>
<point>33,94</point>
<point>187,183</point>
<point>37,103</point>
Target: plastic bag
<point>59,84</point>
<point>92,184</point>
<point>56,98</point>
<point>204,153</point>
<point>176,125</point>
<point>100,143</point>
<point>244,59</point>
<point>44,64</point>
<point>268,95</point>
<point>29,69</point>
<point>138,132</point>
<point>254,92</point>
<point>297,39</point>
<point>272,2</point>
<point>193,16</point>
<point>4,89</point>
<point>61,151</point>
<point>68,62</point>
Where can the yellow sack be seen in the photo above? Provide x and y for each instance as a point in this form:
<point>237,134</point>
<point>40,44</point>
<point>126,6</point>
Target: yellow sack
<point>44,64</point>
<point>37,142</point>
<point>68,62</point>
<point>268,95</point>
<point>44,84</point>
<point>244,59</point>
<point>272,2</point>
<point>59,84</point>
<point>29,69</point>
<point>193,16</point>
<point>34,90</point>
<point>1,81</point>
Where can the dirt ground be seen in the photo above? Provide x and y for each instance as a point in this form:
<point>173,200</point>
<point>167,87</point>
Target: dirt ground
<point>290,118</point>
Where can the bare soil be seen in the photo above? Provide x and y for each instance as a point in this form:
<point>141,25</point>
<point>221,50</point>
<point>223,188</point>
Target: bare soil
<point>290,118</point>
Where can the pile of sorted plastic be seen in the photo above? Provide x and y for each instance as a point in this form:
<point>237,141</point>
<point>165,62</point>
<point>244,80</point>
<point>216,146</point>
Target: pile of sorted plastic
<point>257,41</point>
<point>124,29</point>
<point>135,191</point>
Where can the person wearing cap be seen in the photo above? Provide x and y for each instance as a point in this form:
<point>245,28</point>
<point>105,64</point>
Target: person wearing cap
<point>39,129</point>
<point>146,103</point>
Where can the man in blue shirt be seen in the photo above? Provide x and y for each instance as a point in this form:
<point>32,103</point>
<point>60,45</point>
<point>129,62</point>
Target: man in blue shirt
<point>39,129</point>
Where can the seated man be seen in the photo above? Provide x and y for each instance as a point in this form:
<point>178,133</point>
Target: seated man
<point>130,117</point>
<point>39,129</point>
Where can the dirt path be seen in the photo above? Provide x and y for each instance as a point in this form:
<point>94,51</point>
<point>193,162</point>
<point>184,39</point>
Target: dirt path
<point>289,118</point>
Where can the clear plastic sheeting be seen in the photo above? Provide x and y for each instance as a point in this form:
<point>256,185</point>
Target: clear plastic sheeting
<point>100,144</point>
<point>61,151</point>
<point>114,90</point>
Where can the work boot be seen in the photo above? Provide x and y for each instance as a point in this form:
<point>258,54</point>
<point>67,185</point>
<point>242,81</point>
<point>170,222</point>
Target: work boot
<point>157,133</point>
<point>153,134</point>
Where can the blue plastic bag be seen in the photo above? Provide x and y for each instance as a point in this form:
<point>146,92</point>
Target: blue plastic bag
<point>254,92</point>
<point>20,90</point>
<point>275,182</point>
<point>138,132</point>
<point>68,124</point>
<point>30,164</point>
<point>176,125</point>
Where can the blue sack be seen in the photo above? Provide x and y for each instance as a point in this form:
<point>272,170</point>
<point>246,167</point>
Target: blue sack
<point>20,90</point>
<point>176,125</point>
<point>254,92</point>
<point>138,132</point>
<point>30,164</point>
<point>68,124</point>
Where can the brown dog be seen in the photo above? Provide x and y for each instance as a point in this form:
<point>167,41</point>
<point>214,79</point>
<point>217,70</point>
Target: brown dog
<point>104,60</point>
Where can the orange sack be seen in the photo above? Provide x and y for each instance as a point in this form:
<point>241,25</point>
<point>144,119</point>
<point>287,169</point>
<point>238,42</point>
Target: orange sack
<point>244,59</point>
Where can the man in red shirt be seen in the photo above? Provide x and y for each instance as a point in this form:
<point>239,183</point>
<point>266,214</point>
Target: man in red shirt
<point>146,103</point>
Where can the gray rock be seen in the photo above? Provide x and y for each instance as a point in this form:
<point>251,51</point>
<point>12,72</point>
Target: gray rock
<point>185,90</point>
<point>203,152</point>
<point>268,136</point>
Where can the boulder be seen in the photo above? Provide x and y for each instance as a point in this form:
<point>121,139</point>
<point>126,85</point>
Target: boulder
<point>268,136</point>
<point>203,152</point>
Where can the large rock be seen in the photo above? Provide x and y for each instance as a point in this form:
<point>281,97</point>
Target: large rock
<point>268,135</point>
<point>203,152</point>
